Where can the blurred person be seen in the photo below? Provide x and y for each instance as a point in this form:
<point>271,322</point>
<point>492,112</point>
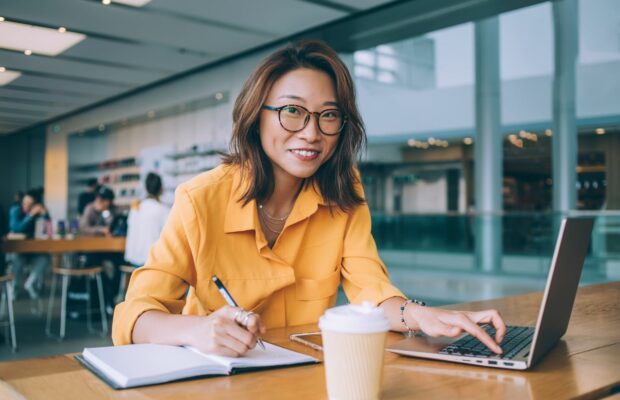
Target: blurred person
<point>88,195</point>
<point>96,220</point>
<point>15,210</point>
<point>98,215</point>
<point>24,221</point>
<point>145,222</point>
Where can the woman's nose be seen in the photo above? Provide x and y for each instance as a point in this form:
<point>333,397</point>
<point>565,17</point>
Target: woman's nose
<point>311,131</point>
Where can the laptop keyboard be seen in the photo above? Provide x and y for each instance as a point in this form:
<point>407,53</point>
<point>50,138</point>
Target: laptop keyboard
<point>516,339</point>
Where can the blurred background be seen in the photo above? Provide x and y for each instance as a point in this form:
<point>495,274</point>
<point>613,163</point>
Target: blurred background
<point>488,122</point>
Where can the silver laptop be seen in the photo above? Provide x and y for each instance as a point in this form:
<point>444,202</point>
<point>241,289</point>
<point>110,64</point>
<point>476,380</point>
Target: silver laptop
<point>522,346</point>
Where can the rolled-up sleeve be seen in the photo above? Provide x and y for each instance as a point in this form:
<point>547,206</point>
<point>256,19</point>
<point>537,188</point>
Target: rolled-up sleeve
<point>364,276</point>
<point>162,283</point>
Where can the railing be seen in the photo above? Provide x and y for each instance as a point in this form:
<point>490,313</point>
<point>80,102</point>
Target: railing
<point>522,233</point>
<point>433,256</point>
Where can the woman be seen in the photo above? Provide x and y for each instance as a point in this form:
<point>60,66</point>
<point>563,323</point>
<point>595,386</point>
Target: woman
<point>24,221</point>
<point>282,223</point>
<point>145,222</point>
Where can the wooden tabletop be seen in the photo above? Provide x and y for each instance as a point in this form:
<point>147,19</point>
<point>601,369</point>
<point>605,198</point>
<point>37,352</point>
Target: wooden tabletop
<point>55,246</point>
<point>583,365</point>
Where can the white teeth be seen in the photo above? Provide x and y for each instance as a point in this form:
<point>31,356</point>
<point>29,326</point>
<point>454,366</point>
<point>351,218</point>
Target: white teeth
<point>305,153</point>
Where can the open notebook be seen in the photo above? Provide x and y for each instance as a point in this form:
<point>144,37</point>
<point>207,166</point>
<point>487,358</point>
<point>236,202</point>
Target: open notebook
<point>148,364</point>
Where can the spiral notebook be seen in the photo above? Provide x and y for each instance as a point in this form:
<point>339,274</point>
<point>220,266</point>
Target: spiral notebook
<point>135,365</point>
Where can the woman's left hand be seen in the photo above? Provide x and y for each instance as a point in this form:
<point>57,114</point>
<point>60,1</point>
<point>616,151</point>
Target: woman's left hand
<point>440,322</point>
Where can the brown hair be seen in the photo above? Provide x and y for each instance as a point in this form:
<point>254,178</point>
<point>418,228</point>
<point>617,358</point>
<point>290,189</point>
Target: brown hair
<point>336,178</point>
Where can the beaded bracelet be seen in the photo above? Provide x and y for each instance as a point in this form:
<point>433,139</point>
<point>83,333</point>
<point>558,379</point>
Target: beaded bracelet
<point>410,332</point>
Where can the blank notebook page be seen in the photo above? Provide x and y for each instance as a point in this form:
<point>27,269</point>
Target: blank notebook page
<point>257,357</point>
<point>134,362</point>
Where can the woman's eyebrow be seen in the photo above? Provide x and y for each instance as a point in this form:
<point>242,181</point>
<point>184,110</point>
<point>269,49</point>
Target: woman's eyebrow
<point>294,97</point>
<point>291,96</point>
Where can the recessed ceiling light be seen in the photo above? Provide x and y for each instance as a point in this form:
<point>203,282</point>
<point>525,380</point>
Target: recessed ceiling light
<point>219,96</point>
<point>468,140</point>
<point>27,52</point>
<point>133,3</point>
<point>1,19</point>
<point>106,2</point>
<point>8,76</point>
<point>36,39</point>
<point>62,29</point>
<point>600,131</point>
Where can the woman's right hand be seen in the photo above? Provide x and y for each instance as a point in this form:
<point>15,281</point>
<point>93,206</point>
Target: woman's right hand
<point>218,333</point>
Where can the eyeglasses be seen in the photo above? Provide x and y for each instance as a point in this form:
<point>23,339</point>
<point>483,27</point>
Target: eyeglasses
<point>294,118</point>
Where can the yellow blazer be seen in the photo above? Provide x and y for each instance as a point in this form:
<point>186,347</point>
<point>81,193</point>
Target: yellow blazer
<point>209,232</point>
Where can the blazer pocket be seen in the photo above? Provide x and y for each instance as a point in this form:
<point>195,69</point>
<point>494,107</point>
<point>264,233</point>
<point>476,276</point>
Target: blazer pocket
<point>315,289</point>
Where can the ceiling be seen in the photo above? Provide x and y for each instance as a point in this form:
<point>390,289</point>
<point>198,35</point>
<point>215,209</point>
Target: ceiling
<point>127,47</point>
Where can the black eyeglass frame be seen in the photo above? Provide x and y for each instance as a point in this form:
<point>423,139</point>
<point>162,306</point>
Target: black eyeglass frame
<point>307,119</point>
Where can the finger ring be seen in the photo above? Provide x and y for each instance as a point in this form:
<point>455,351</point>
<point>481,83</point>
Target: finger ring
<point>240,315</point>
<point>246,317</point>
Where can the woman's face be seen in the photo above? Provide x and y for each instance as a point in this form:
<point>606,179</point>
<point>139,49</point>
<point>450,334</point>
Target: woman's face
<point>298,154</point>
<point>27,203</point>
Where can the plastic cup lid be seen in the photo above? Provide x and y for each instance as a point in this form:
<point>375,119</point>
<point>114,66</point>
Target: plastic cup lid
<point>353,318</point>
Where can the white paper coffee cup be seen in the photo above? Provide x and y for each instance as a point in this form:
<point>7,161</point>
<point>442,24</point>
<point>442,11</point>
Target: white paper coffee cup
<point>353,348</point>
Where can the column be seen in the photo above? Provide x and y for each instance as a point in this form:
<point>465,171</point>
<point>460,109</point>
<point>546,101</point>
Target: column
<point>565,26</point>
<point>488,147</point>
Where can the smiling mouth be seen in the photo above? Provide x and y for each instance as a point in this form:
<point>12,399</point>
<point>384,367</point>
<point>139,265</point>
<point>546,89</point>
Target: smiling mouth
<point>305,153</point>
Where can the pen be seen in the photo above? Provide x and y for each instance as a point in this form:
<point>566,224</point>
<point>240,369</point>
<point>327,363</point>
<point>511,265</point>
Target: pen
<point>231,302</point>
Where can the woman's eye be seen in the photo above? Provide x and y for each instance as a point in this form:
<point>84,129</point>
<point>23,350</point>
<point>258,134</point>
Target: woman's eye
<point>331,114</point>
<point>292,110</point>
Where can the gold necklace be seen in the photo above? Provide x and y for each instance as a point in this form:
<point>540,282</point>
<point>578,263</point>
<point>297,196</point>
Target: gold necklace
<point>266,214</point>
<point>274,227</point>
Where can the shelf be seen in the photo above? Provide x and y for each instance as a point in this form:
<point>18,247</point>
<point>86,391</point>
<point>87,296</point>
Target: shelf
<point>190,172</point>
<point>129,169</point>
<point>130,178</point>
<point>105,165</point>
<point>195,153</point>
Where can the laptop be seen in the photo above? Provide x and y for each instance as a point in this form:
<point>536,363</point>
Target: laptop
<point>523,346</point>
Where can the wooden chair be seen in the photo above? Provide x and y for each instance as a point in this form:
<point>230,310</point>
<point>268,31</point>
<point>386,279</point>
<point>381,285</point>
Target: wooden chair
<point>66,274</point>
<point>7,296</point>
<point>126,271</point>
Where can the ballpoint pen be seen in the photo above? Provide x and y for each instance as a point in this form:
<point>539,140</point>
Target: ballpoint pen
<point>231,302</point>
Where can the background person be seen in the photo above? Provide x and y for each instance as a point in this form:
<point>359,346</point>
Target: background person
<point>145,222</point>
<point>88,195</point>
<point>98,215</point>
<point>24,221</point>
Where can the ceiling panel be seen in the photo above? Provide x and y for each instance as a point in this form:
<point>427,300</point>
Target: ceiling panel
<point>269,17</point>
<point>135,54</point>
<point>67,86</point>
<point>134,24</point>
<point>127,48</point>
<point>11,119</point>
<point>45,109</point>
<point>58,66</point>
<point>8,92</point>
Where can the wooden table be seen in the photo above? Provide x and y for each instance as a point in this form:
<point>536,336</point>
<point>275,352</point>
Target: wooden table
<point>58,246</point>
<point>585,364</point>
